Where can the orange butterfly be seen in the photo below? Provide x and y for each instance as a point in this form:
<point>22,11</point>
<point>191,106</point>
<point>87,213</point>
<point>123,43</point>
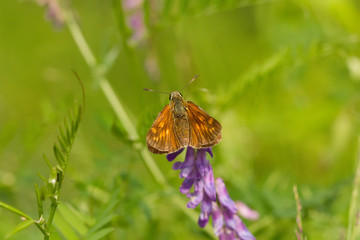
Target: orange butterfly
<point>181,124</point>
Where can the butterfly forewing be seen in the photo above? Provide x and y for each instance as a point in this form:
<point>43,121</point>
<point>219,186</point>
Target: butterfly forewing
<point>205,131</point>
<point>161,137</point>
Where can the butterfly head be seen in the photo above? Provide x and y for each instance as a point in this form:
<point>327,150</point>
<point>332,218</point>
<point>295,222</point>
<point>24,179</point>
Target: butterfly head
<point>175,94</point>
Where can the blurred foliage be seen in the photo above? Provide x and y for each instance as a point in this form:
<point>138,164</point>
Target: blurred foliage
<point>281,76</point>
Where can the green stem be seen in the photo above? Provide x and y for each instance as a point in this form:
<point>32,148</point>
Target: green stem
<point>299,231</point>
<point>118,108</point>
<point>352,230</point>
<point>80,40</point>
<point>53,208</point>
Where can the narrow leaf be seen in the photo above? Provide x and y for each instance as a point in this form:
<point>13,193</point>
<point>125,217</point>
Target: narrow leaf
<point>68,131</point>
<point>100,224</point>
<point>64,227</point>
<point>47,161</point>
<point>62,145</point>
<point>114,200</point>
<point>110,58</point>
<point>19,227</point>
<point>59,156</point>
<point>71,121</point>
<point>100,234</point>
<point>63,136</point>
<point>109,208</point>
<point>78,117</point>
<point>42,177</point>
<point>14,210</point>
<point>74,218</point>
<point>39,198</point>
<point>98,193</point>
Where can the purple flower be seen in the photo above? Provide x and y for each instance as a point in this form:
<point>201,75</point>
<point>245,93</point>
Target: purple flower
<point>212,195</point>
<point>232,221</point>
<point>135,20</point>
<point>246,212</point>
<point>136,24</point>
<point>53,13</point>
<point>132,4</point>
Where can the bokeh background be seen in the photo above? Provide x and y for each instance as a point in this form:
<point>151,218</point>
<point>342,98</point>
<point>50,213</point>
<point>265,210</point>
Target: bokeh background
<point>281,76</point>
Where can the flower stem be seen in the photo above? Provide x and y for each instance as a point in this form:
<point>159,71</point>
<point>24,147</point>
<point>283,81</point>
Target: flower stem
<point>80,40</point>
<point>118,109</point>
<point>353,228</point>
<point>299,231</point>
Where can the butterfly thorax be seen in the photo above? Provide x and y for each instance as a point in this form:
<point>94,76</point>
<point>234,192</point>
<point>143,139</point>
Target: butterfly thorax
<point>178,105</point>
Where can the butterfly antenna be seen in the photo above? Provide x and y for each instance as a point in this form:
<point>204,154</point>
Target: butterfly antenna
<point>151,90</point>
<point>193,79</point>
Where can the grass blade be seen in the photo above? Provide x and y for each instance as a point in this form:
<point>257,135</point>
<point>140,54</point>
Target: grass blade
<point>39,198</point>
<point>100,234</point>
<point>74,218</point>
<point>19,227</point>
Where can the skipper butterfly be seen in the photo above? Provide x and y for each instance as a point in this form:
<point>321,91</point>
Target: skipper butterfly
<point>182,124</point>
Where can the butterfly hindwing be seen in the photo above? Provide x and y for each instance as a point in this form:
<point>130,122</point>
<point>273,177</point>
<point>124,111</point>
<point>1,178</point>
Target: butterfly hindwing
<point>205,131</point>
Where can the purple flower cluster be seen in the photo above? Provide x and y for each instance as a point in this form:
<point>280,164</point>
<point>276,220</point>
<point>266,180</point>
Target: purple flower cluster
<point>212,194</point>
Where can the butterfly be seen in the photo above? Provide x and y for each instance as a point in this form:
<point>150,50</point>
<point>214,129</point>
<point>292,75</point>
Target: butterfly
<point>182,124</point>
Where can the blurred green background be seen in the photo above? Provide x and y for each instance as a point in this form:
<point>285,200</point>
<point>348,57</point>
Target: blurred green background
<point>281,76</point>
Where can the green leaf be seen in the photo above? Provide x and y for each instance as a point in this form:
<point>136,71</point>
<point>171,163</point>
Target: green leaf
<point>71,122</point>
<point>114,200</point>
<point>69,134</point>
<point>59,156</point>
<point>20,227</point>
<point>45,191</point>
<point>100,234</point>
<point>39,198</point>
<point>42,177</point>
<point>64,227</point>
<point>78,117</point>
<point>100,224</point>
<point>109,61</point>
<point>63,136</point>
<point>109,208</point>
<point>62,145</point>
<point>14,210</point>
<point>47,161</point>
<point>74,218</point>
<point>257,72</point>
<point>98,193</point>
